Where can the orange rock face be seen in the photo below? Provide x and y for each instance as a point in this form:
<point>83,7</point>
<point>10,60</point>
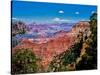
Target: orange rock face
<point>54,46</point>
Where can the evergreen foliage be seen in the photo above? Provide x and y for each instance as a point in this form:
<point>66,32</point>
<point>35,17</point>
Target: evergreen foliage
<point>23,61</point>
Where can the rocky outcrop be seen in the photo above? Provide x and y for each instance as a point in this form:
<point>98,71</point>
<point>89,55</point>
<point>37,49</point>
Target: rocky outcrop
<point>18,27</point>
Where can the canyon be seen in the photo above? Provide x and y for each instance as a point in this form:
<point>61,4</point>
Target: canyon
<point>46,48</point>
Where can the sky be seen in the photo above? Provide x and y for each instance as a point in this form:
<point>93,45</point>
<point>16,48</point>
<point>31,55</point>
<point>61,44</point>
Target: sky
<point>42,12</point>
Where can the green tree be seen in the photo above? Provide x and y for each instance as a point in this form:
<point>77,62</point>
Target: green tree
<point>23,61</point>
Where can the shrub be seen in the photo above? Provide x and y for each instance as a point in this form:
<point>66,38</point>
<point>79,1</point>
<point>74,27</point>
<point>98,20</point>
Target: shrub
<point>23,61</point>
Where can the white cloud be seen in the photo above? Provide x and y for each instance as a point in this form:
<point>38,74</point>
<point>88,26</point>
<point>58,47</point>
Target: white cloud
<point>60,20</point>
<point>77,13</point>
<point>64,20</point>
<point>56,19</point>
<point>84,20</point>
<point>92,12</point>
<point>61,11</point>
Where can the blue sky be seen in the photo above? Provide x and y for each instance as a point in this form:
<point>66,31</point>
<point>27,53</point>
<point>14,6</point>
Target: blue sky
<point>50,12</point>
